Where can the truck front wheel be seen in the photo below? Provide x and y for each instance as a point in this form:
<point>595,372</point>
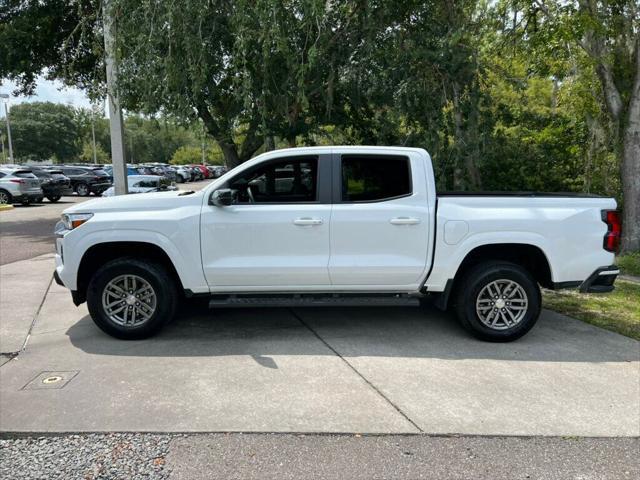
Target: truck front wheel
<point>131,299</point>
<point>498,302</point>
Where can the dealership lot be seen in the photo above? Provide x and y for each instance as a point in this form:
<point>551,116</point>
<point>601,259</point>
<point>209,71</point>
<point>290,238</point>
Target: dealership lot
<point>334,370</point>
<point>367,370</point>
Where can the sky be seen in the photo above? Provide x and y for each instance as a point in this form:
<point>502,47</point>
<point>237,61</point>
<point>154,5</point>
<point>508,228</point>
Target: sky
<point>46,91</point>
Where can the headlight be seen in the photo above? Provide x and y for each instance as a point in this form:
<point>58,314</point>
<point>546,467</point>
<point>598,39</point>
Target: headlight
<point>74,220</point>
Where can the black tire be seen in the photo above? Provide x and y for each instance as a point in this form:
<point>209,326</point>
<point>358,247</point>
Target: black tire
<point>155,274</point>
<point>54,198</point>
<point>82,189</point>
<point>472,285</point>
<point>5,198</point>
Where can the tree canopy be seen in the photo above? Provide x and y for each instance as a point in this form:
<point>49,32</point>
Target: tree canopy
<point>43,131</point>
<point>505,95</point>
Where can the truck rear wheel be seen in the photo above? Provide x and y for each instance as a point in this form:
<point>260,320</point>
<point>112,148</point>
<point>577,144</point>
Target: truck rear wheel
<point>498,302</point>
<point>131,299</point>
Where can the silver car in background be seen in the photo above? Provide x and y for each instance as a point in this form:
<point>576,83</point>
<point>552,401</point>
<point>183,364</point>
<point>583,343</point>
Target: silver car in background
<point>19,185</point>
<point>144,184</point>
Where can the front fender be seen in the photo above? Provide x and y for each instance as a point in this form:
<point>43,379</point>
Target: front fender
<point>186,260</point>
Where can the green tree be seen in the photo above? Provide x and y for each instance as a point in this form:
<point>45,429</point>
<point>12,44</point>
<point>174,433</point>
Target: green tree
<point>61,39</point>
<point>43,131</point>
<point>193,155</point>
<point>86,155</point>
<point>607,34</point>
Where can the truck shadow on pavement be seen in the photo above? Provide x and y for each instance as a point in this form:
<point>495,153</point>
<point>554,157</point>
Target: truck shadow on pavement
<point>421,332</point>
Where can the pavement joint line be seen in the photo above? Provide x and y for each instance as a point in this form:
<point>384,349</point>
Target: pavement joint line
<point>355,370</point>
<point>33,322</point>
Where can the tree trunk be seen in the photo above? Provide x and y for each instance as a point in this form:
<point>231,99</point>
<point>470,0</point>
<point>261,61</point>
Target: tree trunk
<point>230,152</point>
<point>630,168</point>
<point>628,126</point>
<point>465,174</point>
<point>269,143</point>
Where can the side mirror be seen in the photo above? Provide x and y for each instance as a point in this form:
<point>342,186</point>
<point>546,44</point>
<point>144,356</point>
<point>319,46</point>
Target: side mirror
<point>223,197</point>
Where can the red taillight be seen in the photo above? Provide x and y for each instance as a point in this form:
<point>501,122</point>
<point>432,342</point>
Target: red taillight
<point>614,230</point>
<point>17,180</point>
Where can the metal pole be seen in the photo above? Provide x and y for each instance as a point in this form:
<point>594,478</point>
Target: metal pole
<point>93,135</point>
<point>203,145</point>
<point>115,112</point>
<point>6,114</point>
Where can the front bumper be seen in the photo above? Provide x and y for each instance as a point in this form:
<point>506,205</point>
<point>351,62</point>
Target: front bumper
<point>600,281</point>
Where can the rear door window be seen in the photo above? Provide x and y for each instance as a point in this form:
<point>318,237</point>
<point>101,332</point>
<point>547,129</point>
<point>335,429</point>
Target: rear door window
<point>369,178</point>
<point>24,174</point>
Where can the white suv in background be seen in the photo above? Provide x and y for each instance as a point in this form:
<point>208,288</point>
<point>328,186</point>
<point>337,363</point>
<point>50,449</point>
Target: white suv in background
<point>19,185</point>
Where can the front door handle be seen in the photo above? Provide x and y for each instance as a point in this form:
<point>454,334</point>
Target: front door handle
<point>404,221</point>
<point>307,221</point>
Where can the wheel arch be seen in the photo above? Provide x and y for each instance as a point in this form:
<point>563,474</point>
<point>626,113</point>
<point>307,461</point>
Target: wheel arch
<point>528,256</point>
<point>101,253</point>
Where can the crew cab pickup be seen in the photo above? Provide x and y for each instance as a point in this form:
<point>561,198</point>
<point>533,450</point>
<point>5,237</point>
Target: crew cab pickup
<point>334,226</point>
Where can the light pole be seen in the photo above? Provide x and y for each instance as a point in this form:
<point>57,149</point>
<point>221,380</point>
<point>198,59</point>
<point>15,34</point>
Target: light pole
<point>6,97</point>
<point>115,112</point>
<point>93,134</point>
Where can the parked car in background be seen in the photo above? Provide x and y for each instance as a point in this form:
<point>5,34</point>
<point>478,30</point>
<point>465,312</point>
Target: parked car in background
<point>197,174</point>
<point>144,184</point>
<point>131,170</point>
<point>183,174</point>
<point>87,180</point>
<point>19,185</point>
<point>205,171</point>
<point>53,182</point>
<point>218,170</point>
<point>166,171</point>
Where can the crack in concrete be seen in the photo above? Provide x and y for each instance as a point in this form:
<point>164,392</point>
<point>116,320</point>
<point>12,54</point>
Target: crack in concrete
<point>13,355</point>
<point>348,364</point>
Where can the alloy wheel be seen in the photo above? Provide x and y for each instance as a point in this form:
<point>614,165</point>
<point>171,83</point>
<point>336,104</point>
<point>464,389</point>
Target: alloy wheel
<point>82,190</point>
<point>129,300</point>
<point>502,304</point>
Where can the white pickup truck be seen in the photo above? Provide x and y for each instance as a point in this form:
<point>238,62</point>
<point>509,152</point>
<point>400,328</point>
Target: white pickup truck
<point>334,226</point>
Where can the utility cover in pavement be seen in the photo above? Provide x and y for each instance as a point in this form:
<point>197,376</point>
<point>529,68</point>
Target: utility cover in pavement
<point>49,380</point>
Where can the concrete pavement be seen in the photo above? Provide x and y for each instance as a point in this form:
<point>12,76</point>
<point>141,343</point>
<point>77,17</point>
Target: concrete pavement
<point>23,286</point>
<point>358,370</point>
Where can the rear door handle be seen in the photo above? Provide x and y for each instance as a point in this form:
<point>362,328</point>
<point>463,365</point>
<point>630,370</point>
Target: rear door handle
<point>404,221</point>
<point>307,221</point>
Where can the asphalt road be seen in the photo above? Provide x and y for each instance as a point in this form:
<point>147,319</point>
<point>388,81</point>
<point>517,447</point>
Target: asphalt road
<point>284,456</point>
<point>27,231</point>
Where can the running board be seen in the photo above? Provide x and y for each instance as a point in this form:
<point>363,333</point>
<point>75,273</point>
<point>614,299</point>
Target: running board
<point>314,300</point>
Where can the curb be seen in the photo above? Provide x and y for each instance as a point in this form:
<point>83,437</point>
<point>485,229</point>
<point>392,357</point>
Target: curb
<point>5,207</point>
